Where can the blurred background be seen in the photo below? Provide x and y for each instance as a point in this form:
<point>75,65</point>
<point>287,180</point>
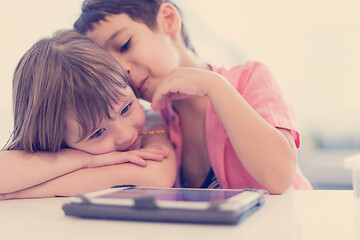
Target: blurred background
<point>312,47</point>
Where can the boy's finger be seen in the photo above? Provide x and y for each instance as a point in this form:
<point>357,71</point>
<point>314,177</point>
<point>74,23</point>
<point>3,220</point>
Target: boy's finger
<point>159,103</point>
<point>159,99</point>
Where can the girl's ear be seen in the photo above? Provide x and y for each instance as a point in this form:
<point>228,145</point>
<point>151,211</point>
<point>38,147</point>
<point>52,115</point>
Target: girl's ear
<point>169,19</point>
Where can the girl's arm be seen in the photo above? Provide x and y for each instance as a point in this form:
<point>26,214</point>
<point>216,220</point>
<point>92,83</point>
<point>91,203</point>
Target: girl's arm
<point>268,154</point>
<point>156,174</point>
<point>20,170</point>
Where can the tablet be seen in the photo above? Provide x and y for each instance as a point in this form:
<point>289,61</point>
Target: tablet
<point>212,206</point>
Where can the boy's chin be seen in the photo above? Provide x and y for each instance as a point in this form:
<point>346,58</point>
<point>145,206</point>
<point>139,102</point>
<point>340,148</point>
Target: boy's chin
<point>146,97</point>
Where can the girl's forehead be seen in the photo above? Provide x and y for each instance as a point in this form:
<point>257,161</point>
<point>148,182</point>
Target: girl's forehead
<point>124,94</point>
<point>127,91</point>
<point>73,129</point>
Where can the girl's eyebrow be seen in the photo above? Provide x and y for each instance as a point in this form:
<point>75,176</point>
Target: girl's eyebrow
<point>90,132</point>
<point>117,110</point>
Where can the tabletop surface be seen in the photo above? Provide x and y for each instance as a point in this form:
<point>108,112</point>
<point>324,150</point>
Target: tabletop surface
<point>293,215</point>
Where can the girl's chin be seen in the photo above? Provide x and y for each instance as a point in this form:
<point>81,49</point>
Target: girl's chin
<point>136,145</point>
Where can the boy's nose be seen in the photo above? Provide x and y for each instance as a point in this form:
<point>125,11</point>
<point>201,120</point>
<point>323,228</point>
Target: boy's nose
<point>126,67</point>
<point>129,70</point>
<point>125,63</point>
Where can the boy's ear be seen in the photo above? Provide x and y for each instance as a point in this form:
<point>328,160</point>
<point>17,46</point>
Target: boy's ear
<point>169,19</point>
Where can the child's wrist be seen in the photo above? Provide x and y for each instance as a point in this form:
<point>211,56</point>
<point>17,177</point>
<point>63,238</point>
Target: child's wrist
<point>215,83</point>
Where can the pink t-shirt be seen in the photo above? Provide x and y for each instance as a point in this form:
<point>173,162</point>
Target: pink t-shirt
<point>257,85</point>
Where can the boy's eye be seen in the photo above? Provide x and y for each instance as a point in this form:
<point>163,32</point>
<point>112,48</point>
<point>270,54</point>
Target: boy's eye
<point>126,109</point>
<point>98,133</point>
<point>126,46</point>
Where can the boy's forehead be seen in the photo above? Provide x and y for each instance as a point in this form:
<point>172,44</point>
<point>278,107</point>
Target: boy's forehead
<point>112,25</point>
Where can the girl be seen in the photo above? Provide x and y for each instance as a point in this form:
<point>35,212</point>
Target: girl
<point>70,94</point>
<point>232,128</point>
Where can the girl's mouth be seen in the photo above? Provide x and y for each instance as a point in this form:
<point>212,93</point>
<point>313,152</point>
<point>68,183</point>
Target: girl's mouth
<point>134,145</point>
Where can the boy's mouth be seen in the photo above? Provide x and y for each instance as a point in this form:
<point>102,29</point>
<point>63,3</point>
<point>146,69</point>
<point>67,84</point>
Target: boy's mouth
<point>141,86</point>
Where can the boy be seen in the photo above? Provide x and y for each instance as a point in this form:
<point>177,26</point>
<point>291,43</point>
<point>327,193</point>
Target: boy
<point>231,128</point>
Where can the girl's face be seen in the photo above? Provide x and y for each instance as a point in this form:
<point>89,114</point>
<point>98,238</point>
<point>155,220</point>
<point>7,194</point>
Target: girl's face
<point>119,133</point>
<point>149,56</point>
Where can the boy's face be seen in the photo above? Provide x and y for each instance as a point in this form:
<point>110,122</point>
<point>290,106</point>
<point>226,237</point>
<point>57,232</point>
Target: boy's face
<point>149,56</point>
<point>119,133</point>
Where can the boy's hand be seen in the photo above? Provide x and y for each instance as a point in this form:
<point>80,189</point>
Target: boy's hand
<point>183,83</point>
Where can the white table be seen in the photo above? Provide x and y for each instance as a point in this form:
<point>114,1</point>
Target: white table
<point>320,215</point>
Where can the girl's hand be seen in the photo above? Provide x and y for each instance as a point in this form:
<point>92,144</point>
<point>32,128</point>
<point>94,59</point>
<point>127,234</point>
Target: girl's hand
<point>183,83</point>
<point>138,157</point>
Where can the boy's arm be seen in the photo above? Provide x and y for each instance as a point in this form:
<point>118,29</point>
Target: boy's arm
<point>20,170</point>
<point>269,154</point>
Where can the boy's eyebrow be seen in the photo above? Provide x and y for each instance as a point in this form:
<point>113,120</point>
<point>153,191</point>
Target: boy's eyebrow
<point>114,35</point>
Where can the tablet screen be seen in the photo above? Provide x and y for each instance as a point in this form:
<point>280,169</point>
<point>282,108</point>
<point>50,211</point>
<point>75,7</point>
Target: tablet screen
<point>174,194</point>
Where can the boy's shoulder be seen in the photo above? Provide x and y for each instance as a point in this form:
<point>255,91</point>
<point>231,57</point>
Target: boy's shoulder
<point>241,73</point>
<point>249,66</point>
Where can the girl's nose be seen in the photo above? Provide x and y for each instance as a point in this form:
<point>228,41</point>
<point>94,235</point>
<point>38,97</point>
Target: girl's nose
<point>124,137</point>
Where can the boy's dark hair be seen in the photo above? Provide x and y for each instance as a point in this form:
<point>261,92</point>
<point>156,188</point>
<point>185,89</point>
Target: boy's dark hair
<point>145,11</point>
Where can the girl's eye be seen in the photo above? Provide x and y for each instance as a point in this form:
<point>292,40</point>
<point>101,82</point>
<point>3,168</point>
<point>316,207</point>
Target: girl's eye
<point>126,109</point>
<point>126,46</point>
<point>98,133</point>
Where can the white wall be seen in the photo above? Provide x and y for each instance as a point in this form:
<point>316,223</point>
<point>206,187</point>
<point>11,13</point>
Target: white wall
<point>22,22</point>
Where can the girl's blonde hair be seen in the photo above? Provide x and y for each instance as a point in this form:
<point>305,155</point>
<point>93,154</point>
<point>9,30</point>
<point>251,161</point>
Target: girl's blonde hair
<point>66,73</point>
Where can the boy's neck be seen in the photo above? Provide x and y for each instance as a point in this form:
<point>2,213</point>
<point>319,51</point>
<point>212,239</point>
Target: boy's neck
<point>190,59</point>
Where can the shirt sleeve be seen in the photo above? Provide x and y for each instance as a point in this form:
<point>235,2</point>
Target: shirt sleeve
<point>259,88</point>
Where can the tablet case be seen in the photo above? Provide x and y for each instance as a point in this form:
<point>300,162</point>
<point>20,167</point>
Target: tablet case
<point>145,209</point>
